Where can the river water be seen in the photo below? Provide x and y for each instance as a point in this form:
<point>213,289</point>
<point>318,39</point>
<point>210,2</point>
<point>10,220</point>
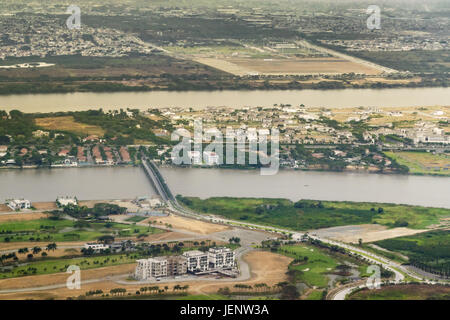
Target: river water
<point>401,97</point>
<point>121,183</point>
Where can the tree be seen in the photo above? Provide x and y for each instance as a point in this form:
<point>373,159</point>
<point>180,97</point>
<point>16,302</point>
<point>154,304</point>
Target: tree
<point>51,246</point>
<point>36,250</point>
<point>289,292</point>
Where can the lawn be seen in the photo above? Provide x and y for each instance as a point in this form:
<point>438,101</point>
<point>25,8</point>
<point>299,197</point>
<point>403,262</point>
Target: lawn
<point>315,295</point>
<point>309,214</point>
<point>313,271</point>
<point>404,292</point>
<point>45,230</point>
<point>47,266</point>
<point>428,250</point>
<point>423,162</point>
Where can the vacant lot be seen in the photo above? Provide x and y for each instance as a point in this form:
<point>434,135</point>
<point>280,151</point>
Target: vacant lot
<point>21,217</point>
<point>289,66</point>
<point>191,225</point>
<point>423,162</point>
<point>404,292</point>
<point>365,232</point>
<point>302,66</point>
<point>67,123</point>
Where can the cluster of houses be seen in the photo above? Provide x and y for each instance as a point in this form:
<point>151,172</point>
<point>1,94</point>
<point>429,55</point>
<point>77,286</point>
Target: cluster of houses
<point>215,260</point>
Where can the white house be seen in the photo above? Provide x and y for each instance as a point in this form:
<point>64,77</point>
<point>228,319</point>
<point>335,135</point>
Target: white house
<point>65,201</point>
<point>19,204</point>
<point>95,246</point>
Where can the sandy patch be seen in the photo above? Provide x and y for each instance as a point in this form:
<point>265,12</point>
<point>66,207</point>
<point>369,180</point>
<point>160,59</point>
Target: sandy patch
<point>61,278</point>
<point>45,205</point>
<point>191,225</point>
<point>21,216</point>
<point>4,208</point>
<point>366,232</point>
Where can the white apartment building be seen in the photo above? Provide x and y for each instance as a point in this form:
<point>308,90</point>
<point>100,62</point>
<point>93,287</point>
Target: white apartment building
<point>210,158</point>
<point>221,258</point>
<point>197,261</point>
<point>19,204</point>
<point>151,268</point>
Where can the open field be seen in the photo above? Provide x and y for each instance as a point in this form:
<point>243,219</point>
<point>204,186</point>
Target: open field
<point>67,123</point>
<point>302,66</point>
<point>292,66</point>
<point>10,217</point>
<point>4,208</point>
<point>365,232</point>
<point>266,267</point>
<point>423,162</point>
<point>309,214</point>
<point>191,225</point>
<point>50,266</point>
<point>48,230</point>
<point>404,292</point>
<point>61,277</point>
<point>429,251</point>
<point>413,60</point>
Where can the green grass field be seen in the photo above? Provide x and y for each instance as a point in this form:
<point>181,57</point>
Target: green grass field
<point>44,230</point>
<point>309,214</point>
<point>315,295</point>
<point>428,250</point>
<point>404,292</point>
<point>50,265</point>
<point>423,162</point>
<point>313,272</point>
